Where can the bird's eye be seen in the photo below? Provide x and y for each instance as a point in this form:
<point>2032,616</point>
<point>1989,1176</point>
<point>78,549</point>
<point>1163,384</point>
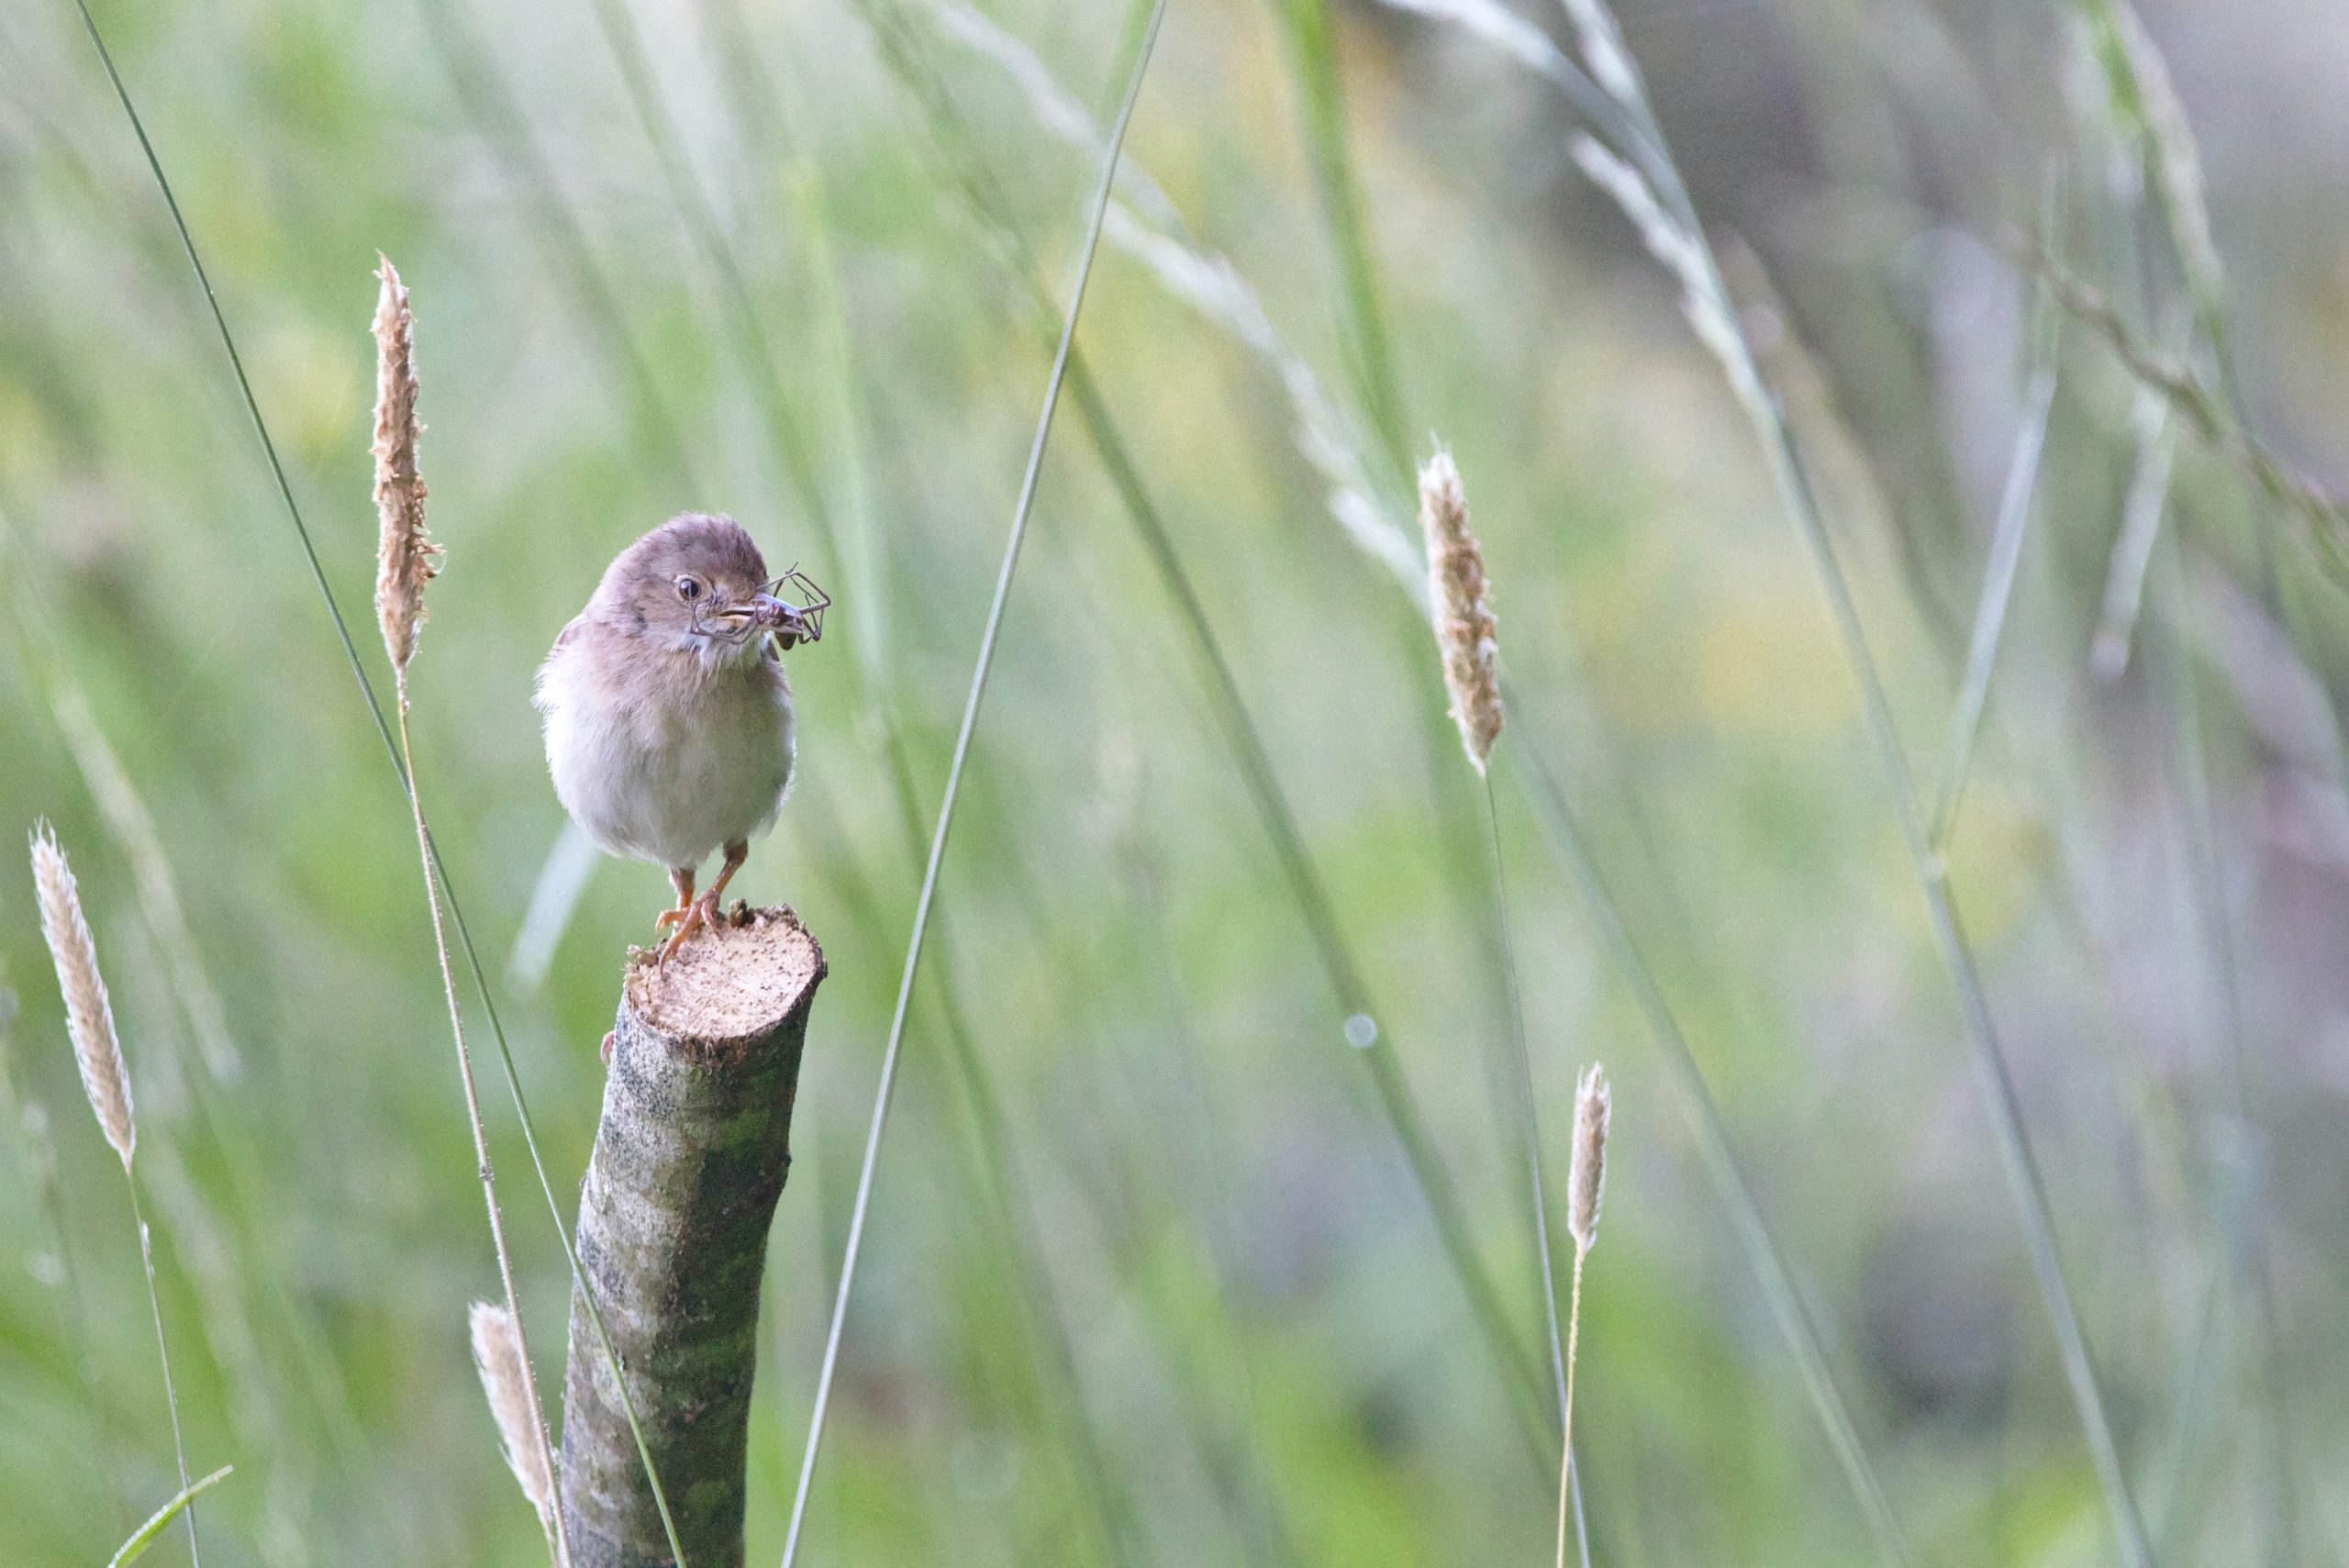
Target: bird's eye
<point>689,589</point>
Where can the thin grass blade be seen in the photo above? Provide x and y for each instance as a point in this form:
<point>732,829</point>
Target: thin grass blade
<point>979,674</point>
<point>2015,510</point>
<point>374,710</point>
<point>2142,508</point>
<point>144,1537</point>
<point>1671,231</point>
<point>1762,1253</point>
<point>1529,1117</point>
<point>1312,54</point>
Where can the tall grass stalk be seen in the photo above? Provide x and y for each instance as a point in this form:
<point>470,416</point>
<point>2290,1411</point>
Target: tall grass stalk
<point>1762,1254</point>
<point>1585,1186</point>
<point>984,665</point>
<point>1521,1379</point>
<point>404,563</point>
<point>164,1353</point>
<point>2323,517</point>
<point>97,1052</point>
<point>254,1222</point>
<point>1670,230</point>
<point>2140,91</point>
<point>1211,284</point>
<point>392,748</point>
<point>1467,638</point>
<point>1012,1226</point>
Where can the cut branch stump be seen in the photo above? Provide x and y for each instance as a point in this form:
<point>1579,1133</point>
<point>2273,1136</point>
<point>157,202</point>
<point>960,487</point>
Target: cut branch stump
<point>690,1158</point>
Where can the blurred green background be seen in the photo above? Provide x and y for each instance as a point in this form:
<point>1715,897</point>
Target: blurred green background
<point>781,258</point>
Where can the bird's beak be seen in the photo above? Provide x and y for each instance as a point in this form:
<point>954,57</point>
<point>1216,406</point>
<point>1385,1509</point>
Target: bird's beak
<point>742,620</point>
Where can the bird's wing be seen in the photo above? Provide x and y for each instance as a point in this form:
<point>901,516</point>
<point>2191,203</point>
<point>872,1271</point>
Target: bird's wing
<point>541,694</point>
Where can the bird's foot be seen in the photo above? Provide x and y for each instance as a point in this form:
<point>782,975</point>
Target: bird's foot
<point>701,912</point>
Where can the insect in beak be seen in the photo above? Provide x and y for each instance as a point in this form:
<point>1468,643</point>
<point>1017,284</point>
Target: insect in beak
<point>792,624</point>
<point>788,622</point>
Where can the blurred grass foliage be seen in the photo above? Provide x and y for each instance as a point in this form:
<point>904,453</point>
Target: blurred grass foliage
<point>1262,1327</point>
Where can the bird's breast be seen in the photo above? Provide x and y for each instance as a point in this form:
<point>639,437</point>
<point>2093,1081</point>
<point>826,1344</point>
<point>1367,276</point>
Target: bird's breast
<point>661,757</point>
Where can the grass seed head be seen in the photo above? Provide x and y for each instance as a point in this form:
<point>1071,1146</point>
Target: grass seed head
<point>1464,619</point>
<point>89,1016</point>
<point>1587,1178</point>
<point>505,1379</point>
<point>405,557</point>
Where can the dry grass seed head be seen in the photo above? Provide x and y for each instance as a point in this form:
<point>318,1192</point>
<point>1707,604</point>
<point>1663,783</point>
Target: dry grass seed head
<point>89,1016</point>
<point>498,1355</point>
<point>1587,1178</point>
<point>405,557</point>
<point>1457,589</point>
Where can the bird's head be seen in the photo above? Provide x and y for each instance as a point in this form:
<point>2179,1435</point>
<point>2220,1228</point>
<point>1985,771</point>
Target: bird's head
<point>697,584</point>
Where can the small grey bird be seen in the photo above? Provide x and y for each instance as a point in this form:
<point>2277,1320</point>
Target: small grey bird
<point>668,720</point>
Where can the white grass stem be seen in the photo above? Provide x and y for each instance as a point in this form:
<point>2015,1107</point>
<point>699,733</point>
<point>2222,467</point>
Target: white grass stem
<point>164,1353</point>
<point>557,1539</point>
<point>1566,1460</point>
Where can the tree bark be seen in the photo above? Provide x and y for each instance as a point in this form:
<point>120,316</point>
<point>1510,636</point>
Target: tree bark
<point>690,1158</point>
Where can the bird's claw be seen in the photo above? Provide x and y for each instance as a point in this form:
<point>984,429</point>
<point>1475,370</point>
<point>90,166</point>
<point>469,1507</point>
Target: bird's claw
<point>701,912</point>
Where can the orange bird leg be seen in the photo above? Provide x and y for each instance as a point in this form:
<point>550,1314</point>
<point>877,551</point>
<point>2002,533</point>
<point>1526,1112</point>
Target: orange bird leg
<point>701,911</point>
<point>682,879</point>
<point>736,854</point>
